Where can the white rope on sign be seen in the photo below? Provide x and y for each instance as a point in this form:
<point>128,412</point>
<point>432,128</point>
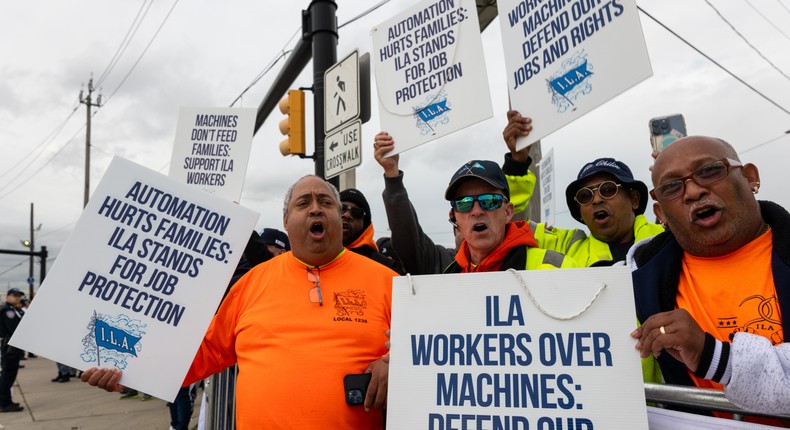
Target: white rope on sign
<point>543,311</point>
<point>411,282</point>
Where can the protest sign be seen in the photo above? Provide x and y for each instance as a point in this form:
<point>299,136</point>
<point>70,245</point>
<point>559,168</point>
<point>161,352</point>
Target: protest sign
<point>138,280</point>
<point>430,72</point>
<point>563,59</point>
<point>538,349</point>
<point>212,149</point>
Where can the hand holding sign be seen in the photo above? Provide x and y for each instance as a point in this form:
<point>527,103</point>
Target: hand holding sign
<point>517,126</point>
<point>675,332</point>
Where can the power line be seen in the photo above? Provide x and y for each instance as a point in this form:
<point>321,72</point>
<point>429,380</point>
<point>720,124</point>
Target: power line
<point>364,13</point>
<point>713,61</point>
<point>13,267</point>
<point>283,52</point>
<point>47,140</point>
<point>767,20</point>
<point>785,134</point>
<point>127,38</point>
<point>262,74</point>
<point>782,4</point>
<point>150,42</point>
<point>754,48</point>
<point>40,168</point>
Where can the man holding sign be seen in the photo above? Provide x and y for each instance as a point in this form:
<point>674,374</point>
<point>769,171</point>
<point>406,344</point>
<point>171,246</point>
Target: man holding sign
<point>297,324</point>
<point>713,290</point>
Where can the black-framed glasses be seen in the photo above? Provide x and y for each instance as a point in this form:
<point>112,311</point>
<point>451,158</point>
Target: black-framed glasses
<point>607,190</point>
<point>357,213</point>
<point>704,177</point>
<point>488,202</point>
<point>315,292</point>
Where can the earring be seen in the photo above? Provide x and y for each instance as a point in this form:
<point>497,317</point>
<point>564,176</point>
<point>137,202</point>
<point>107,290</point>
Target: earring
<point>756,187</point>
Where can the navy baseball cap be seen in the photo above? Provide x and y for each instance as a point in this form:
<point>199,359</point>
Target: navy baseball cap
<point>272,236</point>
<point>619,170</point>
<point>480,169</point>
<point>14,291</point>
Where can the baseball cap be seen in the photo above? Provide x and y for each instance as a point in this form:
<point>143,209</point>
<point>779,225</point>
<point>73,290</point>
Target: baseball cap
<point>355,196</point>
<point>481,169</point>
<point>272,236</point>
<point>618,169</point>
<point>16,291</point>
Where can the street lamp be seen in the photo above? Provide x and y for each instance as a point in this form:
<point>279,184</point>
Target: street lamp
<point>31,244</point>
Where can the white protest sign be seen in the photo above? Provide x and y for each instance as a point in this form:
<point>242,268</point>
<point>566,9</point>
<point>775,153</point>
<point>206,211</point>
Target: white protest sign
<point>430,72</point>
<point>212,149</point>
<point>564,59</point>
<point>475,351</point>
<point>138,281</point>
<point>547,200</point>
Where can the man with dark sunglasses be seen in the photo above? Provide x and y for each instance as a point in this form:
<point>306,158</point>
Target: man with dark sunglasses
<point>418,253</point>
<point>481,210</point>
<point>358,228</point>
<point>712,292</point>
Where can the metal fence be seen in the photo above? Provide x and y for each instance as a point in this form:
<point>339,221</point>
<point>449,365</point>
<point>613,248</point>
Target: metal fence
<point>221,412</point>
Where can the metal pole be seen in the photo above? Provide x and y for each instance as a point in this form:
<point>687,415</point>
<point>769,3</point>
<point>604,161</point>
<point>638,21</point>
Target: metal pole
<point>88,104</point>
<point>324,35</point>
<point>43,255</point>
<point>32,248</point>
<point>88,145</point>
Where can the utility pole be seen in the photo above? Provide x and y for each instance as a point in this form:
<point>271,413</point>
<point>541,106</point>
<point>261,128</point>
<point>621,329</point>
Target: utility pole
<point>323,29</point>
<point>32,248</point>
<point>87,102</point>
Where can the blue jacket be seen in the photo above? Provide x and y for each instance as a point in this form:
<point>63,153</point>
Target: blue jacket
<point>658,273</point>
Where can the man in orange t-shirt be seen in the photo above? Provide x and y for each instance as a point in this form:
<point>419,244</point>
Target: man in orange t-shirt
<point>297,324</point>
<point>711,291</point>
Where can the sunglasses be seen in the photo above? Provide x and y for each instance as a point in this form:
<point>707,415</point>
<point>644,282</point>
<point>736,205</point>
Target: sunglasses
<point>355,212</point>
<point>607,190</point>
<point>704,177</point>
<point>487,202</point>
<point>315,292</point>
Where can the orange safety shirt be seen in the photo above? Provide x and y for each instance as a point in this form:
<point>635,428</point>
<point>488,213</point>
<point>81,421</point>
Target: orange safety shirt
<point>732,293</point>
<point>293,353</point>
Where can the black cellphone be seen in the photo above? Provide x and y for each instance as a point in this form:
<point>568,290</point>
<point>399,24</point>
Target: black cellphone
<point>356,386</point>
<point>665,130</point>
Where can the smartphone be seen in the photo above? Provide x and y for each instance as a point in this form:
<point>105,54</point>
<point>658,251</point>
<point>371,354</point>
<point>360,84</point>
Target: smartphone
<point>356,386</point>
<point>665,130</point>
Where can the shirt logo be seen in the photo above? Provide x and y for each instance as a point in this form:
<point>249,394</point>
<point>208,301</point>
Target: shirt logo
<point>350,305</point>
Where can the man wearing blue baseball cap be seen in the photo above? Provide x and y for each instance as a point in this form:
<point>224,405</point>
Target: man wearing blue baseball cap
<point>481,210</point>
<point>606,198</point>
<point>275,240</point>
<point>611,203</point>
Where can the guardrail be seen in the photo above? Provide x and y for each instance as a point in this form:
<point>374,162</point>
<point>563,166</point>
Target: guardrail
<point>221,412</point>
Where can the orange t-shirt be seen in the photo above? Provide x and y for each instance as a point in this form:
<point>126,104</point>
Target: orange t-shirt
<point>732,293</point>
<point>293,353</point>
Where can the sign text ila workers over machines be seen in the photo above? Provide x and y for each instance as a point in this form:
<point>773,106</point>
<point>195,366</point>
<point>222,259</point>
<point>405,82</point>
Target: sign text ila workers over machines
<point>430,72</point>
<point>138,280</point>
<point>564,58</point>
<point>212,149</point>
<point>495,351</point>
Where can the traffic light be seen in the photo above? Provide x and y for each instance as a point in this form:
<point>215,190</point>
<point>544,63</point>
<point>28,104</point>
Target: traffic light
<point>293,126</point>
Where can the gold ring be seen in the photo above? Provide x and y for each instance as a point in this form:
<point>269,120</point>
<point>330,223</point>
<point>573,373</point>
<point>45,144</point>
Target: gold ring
<point>661,329</point>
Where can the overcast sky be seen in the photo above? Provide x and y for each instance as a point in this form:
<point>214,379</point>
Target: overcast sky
<point>206,53</point>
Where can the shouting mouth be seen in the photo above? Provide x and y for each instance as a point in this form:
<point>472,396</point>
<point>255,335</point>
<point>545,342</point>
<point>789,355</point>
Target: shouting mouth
<point>705,216</point>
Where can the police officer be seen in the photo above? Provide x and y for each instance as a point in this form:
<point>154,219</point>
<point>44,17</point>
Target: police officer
<point>9,355</point>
